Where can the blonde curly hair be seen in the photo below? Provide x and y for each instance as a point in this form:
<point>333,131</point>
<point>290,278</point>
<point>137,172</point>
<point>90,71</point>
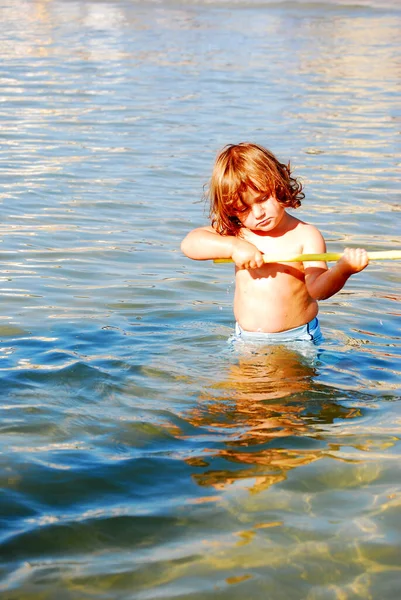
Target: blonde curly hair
<point>242,166</point>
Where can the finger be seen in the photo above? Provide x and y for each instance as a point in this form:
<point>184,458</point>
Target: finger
<point>361,254</point>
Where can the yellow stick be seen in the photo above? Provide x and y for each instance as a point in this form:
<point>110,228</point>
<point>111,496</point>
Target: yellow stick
<point>326,257</point>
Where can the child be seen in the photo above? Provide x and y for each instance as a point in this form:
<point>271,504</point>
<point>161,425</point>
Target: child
<point>249,193</point>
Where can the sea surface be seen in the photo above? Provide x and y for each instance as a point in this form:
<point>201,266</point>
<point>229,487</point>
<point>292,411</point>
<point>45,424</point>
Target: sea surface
<point>142,456</point>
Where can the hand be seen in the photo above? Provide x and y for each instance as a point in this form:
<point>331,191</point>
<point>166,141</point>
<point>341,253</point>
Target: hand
<point>246,255</point>
<point>354,260</point>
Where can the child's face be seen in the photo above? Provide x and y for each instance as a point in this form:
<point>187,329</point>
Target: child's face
<point>260,211</point>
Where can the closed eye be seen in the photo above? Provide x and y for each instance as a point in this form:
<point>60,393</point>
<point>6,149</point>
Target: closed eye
<point>241,210</point>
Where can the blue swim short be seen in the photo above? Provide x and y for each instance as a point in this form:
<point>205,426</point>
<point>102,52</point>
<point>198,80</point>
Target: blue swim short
<point>309,332</point>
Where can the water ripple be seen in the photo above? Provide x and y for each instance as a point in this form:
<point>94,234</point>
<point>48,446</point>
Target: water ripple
<point>141,455</point>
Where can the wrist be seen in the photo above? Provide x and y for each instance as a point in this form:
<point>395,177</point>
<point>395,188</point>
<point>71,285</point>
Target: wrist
<point>233,245</point>
<point>343,269</point>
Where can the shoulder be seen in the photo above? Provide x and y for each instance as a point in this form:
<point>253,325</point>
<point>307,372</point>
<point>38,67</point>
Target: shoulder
<point>307,236</point>
<point>311,238</point>
<point>209,228</point>
<point>308,229</point>
<point>302,229</point>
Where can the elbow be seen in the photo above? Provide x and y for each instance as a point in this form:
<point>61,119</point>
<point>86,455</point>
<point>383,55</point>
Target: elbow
<point>187,248</point>
<point>317,294</point>
<point>319,297</point>
<point>184,247</point>
<point>320,294</point>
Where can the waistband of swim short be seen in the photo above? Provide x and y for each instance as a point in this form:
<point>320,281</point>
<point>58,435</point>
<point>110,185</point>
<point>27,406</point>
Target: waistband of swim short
<point>309,331</point>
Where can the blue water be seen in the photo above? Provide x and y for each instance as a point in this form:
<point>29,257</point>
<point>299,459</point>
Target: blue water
<point>140,456</point>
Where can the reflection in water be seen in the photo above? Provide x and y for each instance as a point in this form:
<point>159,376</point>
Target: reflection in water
<point>126,472</point>
<point>270,407</point>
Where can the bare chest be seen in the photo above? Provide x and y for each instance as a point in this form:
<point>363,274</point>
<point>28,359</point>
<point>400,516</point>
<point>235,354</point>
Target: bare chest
<point>286,244</point>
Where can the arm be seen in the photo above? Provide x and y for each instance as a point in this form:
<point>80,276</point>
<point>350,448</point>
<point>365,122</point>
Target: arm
<point>205,243</point>
<point>322,283</point>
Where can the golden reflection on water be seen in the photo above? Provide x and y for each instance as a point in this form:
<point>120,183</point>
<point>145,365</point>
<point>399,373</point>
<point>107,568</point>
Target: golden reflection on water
<point>264,400</point>
<point>278,417</point>
<point>88,71</point>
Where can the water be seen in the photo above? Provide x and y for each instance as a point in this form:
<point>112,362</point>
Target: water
<point>140,458</point>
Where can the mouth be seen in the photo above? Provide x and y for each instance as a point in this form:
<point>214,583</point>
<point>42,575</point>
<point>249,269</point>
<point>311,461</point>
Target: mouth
<point>264,222</point>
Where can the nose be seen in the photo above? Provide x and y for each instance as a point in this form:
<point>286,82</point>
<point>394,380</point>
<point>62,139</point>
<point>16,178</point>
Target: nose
<point>258,211</point>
